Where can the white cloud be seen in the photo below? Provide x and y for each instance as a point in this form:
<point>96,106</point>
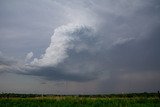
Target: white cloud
<point>63,39</point>
<point>29,56</point>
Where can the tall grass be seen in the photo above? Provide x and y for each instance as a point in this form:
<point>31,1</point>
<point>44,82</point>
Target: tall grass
<point>79,102</point>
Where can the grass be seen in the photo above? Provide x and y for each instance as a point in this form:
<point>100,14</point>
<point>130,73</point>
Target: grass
<point>75,101</point>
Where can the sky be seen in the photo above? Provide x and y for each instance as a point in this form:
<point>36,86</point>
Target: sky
<point>79,46</point>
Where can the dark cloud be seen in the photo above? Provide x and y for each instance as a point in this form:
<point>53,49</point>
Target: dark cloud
<point>138,55</point>
<point>77,43</point>
<point>135,55</point>
<point>122,40</point>
<point>59,74</point>
<point>115,43</point>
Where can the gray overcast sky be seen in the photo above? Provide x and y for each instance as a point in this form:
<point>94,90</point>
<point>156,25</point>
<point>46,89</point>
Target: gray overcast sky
<point>79,46</point>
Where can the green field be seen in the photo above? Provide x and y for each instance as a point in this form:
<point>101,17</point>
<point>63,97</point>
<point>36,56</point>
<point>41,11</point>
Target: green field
<point>76,101</point>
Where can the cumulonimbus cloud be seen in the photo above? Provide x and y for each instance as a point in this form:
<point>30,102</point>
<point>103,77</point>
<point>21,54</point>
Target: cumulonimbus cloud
<point>122,41</point>
<point>65,38</point>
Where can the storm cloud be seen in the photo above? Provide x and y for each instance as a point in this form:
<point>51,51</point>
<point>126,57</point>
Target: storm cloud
<point>106,42</point>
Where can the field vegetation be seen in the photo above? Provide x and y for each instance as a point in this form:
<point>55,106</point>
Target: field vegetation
<point>113,100</point>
